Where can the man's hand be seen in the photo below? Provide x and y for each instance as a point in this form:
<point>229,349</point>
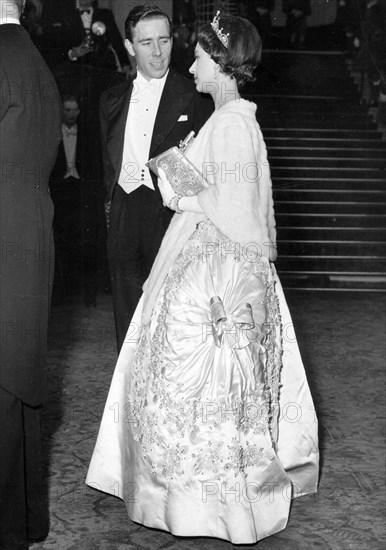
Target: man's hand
<point>79,51</point>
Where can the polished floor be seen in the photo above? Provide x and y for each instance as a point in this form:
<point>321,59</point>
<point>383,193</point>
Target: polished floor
<point>342,339</point>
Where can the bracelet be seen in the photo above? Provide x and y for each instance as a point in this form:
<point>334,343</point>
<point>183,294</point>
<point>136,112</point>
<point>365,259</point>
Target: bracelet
<point>174,204</point>
<point>170,203</point>
<point>178,209</point>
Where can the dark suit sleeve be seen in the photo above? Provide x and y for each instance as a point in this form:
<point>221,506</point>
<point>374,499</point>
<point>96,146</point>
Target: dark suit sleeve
<point>116,39</point>
<point>6,92</point>
<point>203,108</point>
<point>70,33</point>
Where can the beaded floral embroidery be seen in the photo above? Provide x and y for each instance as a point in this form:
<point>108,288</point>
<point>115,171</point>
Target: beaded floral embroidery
<point>152,407</point>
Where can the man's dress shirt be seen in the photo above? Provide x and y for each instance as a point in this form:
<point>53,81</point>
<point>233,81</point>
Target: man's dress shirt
<point>69,144</point>
<point>144,103</point>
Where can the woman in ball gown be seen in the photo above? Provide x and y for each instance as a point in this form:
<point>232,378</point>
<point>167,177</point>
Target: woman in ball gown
<point>209,427</point>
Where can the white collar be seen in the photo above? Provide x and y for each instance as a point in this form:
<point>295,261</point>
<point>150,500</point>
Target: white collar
<point>156,84</point>
<point>6,19</point>
<point>72,130</point>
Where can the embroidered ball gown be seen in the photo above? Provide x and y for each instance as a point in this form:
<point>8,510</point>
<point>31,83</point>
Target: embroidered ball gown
<point>209,427</point>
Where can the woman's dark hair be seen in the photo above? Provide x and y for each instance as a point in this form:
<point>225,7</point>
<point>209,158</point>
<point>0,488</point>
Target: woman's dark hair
<point>243,53</point>
<point>139,13</point>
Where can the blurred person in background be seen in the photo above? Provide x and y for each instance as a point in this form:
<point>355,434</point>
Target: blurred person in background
<point>77,192</point>
<point>371,44</point>
<point>259,13</point>
<point>297,12</point>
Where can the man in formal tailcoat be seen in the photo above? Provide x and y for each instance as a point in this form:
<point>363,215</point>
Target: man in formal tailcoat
<point>29,138</point>
<point>83,45</point>
<point>140,119</point>
<point>76,189</point>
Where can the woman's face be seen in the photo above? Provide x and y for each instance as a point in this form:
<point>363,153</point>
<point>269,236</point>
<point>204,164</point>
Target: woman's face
<point>204,70</point>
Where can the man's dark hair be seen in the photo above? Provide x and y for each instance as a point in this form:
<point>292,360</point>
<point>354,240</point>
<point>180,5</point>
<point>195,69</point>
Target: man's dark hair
<point>70,97</point>
<point>139,13</point>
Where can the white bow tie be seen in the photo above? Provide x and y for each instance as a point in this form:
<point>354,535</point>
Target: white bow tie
<point>73,131</point>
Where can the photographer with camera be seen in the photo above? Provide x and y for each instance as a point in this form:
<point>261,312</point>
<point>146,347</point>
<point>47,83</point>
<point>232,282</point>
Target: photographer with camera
<point>93,37</point>
<point>92,53</point>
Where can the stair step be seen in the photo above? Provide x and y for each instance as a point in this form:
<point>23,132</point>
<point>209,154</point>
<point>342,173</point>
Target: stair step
<point>323,195</point>
<point>332,184</point>
<point>337,163</point>
<point>353,234</point>
<point>329,172</point>
<point>309,103</point>
<point>332,264</point>
<point>301,121</point>
<point>346,153</point>
<point>313,114</point>
<point>320,133</point>
<point>328,166</point>
<point>326,281</point>
<point>331,248</point>
<point>330,220</point>
<point>330,208</point>
<point>331,143</point>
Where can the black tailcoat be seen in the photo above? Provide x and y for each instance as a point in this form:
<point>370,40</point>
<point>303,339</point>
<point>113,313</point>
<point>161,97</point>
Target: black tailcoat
<point>30,115</point>
<point>139,219</point>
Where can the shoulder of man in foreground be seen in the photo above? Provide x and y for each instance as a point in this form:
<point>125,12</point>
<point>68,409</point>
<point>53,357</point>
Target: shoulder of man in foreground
<point>181,80</point>
<point>183,84</point>
<point>115,92</point>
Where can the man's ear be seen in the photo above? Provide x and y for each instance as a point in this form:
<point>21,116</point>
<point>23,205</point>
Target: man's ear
<point>129,47</point>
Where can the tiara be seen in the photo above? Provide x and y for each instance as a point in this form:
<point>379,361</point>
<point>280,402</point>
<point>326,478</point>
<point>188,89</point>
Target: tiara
<point>220,35</point>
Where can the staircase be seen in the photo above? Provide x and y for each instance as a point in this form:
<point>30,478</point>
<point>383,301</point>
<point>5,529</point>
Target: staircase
<point>328,164</point>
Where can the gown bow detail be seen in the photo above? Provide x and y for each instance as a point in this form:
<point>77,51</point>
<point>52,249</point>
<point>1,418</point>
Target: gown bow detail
<point>239,322</point>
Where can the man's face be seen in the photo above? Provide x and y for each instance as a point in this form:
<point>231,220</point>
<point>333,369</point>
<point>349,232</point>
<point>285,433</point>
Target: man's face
<point>151,47</point>
<point>70,112</point>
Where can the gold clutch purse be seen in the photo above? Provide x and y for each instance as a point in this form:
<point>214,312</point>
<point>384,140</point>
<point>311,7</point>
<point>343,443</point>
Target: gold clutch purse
<point>183,176</point>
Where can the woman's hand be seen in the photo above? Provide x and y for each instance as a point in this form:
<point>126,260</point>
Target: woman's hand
<point>174,201</point>
<point>166,190</point>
